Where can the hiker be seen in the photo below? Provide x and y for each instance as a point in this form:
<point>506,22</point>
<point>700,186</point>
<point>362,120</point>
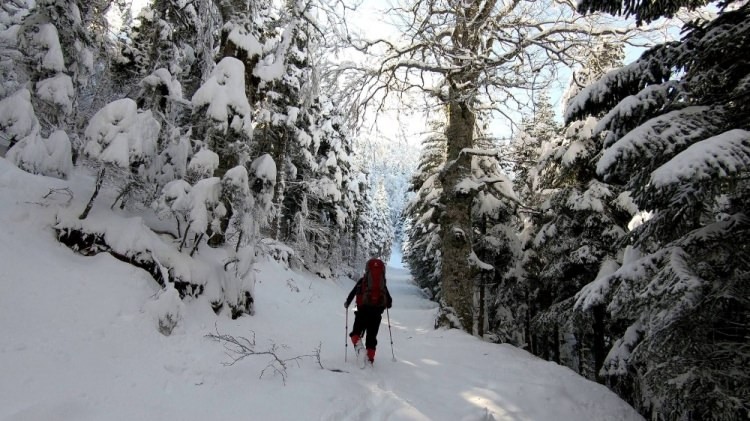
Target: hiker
<point>372,299</point>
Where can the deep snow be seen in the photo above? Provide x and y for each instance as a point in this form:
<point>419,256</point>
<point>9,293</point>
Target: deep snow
<point>79,342</point>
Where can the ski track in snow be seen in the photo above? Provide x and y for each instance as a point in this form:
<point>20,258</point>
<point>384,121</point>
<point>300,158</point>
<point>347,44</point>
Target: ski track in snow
<point>79,342</point>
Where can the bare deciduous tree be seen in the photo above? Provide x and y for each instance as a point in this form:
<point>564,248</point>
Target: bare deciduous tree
<point>471,58</point>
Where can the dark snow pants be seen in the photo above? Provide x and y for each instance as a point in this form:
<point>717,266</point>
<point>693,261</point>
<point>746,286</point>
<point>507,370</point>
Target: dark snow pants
<point>367,320</point>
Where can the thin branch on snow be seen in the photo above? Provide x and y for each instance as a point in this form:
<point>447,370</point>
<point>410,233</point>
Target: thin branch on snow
<point>239,347</point>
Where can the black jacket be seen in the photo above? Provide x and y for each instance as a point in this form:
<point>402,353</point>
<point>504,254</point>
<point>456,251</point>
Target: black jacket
<point>358,287</point>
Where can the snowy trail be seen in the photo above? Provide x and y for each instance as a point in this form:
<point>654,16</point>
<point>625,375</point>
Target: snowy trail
<point>79,342</point>
<point>448,375</point>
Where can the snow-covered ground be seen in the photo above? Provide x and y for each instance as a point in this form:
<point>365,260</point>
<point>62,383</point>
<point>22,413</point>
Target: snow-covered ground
<point>79,342</point>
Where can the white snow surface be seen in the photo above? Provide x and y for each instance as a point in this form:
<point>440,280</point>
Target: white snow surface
<point>80,342</point>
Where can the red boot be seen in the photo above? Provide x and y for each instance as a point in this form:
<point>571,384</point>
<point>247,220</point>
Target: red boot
<point>371,355</point>
<point>357,343</point>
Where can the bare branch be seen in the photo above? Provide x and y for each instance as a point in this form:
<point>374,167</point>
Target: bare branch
<point>237,348</point>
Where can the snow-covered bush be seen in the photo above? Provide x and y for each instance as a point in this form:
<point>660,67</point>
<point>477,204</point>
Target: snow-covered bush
<point>51,157</point>
<point>221,114</point>
<point>30,151</point>
<point>17,117</point>
<point>202,165</point>
<point>121,138</point>
<point>167,308</point>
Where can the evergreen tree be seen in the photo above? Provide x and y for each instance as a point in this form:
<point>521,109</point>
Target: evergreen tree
<point>577,225</point>
<point>318,204</point>
<point>49,55</point>
<point>422,246</point>
<point>497,254</point>
<point>221,106</point>
<point>283,110</point>
<point>538,130</point>
<point>381,224</point>
<point>676,135</point>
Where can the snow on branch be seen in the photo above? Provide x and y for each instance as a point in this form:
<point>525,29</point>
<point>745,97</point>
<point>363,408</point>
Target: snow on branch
<point>273,66</point>
<point>716,231</point>
<point>596,292</point>
<point>617,361</point>
<point>17,117</point>
<point>654,67</point>
<point>224,95</point>
<point>722,156</point>
<point>593,198</point>
<point>632,110</point>
<point>658,138</point>
<point>475,261</point>
<point>51,156</point>
<point>162,77</point>
<point>118,134</point>
<point>57,90</point>
<point>242,37</point>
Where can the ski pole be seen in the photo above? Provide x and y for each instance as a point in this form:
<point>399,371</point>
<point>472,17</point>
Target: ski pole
<point>346,343</point>
<point>387,313</point>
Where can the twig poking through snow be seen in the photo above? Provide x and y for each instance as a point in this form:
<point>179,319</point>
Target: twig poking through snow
<point>240,347</point>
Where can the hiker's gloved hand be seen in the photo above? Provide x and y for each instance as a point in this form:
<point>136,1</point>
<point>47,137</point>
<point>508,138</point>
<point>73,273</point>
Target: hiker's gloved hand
<point>346,304</point>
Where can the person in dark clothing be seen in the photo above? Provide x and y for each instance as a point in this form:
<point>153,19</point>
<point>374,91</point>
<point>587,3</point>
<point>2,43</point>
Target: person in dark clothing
<point>366,319</point>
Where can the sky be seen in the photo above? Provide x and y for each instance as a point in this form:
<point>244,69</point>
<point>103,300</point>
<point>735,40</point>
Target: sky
<point>80,342</point>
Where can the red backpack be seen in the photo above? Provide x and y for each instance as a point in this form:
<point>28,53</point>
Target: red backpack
<point>372,292</point>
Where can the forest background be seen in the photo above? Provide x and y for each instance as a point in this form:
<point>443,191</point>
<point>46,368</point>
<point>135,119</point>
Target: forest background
<point>612,241</point>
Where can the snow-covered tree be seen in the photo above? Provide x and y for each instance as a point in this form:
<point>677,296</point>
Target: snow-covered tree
<point>422,246</point>
<point>498,309</point>
<point>177,36</point>
<point>465,56</point>
<point>284,96</point>
<point>46,57</point>
<point>382,230</point>
<point>325,195</point>
<point>56,43</point>
<point>222,114</point>
<point>676,136</point>
<point>526,148</point>
<point>121,140</point>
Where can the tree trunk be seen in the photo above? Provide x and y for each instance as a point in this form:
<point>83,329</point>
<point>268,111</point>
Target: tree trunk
<point>279,156</point>
<point>600,351</point>
<point>99,181</point>
<point>457,275</point>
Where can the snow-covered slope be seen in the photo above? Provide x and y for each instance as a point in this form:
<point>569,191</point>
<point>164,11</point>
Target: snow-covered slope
<point>79,342</point>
